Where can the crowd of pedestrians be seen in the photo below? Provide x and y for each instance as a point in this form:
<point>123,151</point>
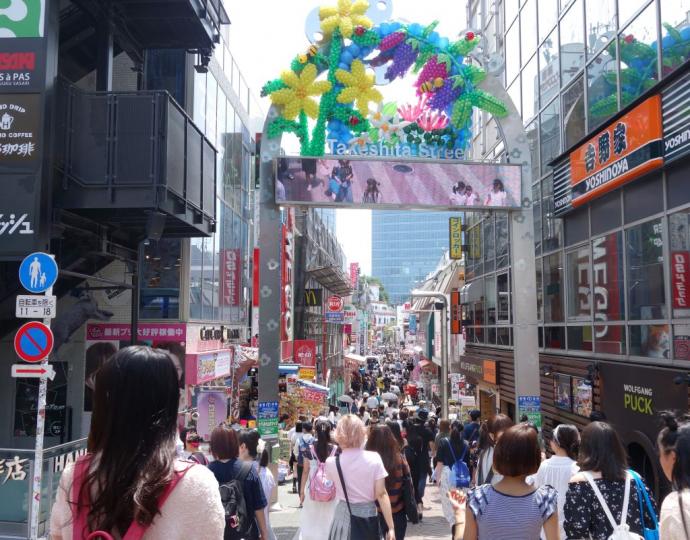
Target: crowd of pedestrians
<point>361,475</point>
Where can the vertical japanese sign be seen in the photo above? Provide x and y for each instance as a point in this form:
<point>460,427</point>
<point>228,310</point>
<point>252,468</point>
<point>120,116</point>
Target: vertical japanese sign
<point>455,315</point>
<point>680,279</point>
<point>23,76</point>
<point>230,272</point>
<point>531,406</point>
<point>212,407</point>
<point>455,233</point>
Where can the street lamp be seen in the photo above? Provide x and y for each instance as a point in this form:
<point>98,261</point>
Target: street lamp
<point>444,344</point>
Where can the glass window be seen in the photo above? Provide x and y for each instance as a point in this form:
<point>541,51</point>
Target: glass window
<point>627,8</point>
<point>637,45</point>
<point>576,226</point>
<point>199,110</point>
<point>645,265</point>
<point>602,98</point>
<point>503,315</point>
<point>502,244</point>
<point>196,254</point>
<point>548,67</point>
<point>574,113</point>
<point>512,7</point>
<point>530,93</point>
<point>679,234</point>
<point>580,338</point>
<point>209,289</point>
<point>512,53</point>
<point>548,14</point>
<point>490,283</point>
<point>601,24</point>
<point>607,277</point>
<point>605,213</point>
<point>489,248</point>
<point>160,286</point>
<point>579,285</point>
<point>609,339</point>
<point>643,198</point>
<point>528,27</point>
<point>504,336</point>
<point>476,297</point>
<point>550,133</point>
<point>678,185</point>
<point>553,291</point>
<point>211,97</point>
<point>675,43</point>
<point>552,226</point>
<point>650,340</point>
<point>554,337</point>
<point>572,49</point>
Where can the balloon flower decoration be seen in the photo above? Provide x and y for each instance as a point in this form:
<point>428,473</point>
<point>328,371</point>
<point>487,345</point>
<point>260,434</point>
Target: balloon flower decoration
<point>333,83</point>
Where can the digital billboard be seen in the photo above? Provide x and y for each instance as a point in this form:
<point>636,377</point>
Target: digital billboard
<point>378,183</point>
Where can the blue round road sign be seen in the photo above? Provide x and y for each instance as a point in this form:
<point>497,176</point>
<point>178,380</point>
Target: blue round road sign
<point>33,341</point>
<point>38,272</point>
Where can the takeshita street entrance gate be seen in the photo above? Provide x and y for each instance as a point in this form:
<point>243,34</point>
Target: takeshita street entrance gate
<point>353,53</point>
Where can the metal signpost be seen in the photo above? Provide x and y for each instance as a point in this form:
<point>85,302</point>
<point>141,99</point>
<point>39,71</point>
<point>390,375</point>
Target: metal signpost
<point>34,343</point>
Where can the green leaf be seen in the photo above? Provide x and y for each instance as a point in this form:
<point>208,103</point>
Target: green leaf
<point>475,73</point>
<point>389,109</point>
<point>458,81</point>
<point>272,86</point>
<point>444,58</point>
<point>430,28</point>
<point>675,34</point>
<point>487,102</point>
<point>414,43</point>
<point>463,46</point>
<point>422,58</point>
<point>604,107</point>
<point>461,112</point>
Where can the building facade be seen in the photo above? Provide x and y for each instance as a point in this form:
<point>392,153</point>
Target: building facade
<point>610,229</point>
<point>405,247</point>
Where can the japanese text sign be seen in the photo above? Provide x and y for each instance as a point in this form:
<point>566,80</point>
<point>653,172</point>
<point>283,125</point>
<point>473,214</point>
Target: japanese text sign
<point>455,232</point>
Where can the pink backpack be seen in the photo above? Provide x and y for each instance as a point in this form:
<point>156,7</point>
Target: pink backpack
<point>321,489</point>
<point>136,530</point>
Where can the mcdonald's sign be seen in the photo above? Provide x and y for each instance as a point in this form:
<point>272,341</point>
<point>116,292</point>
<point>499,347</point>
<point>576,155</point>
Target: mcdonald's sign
<point>313,297</point>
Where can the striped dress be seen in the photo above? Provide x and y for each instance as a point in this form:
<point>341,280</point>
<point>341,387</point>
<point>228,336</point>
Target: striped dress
<point>506,517</point>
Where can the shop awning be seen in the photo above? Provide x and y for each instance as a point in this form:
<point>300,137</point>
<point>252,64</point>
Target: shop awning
<point>356,358</point>
<point>333,278</point>
<point>314,386</point>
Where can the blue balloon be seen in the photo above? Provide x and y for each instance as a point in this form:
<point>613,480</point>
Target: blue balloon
<point>346,57</point>
<point>354,49</point>
<point>443,43</point>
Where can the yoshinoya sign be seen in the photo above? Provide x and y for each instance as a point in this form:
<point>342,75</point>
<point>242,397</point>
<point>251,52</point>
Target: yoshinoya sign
<point>629,147</point>
<point>676,119</point>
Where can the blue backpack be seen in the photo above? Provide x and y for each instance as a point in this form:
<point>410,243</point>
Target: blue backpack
<point>459,472</point>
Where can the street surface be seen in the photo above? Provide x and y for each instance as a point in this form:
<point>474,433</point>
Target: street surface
<point>285,523</point>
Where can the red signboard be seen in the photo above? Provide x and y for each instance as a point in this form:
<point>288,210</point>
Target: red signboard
<point>230,271</point>
<point>455,316</point>
<point>255,279</point>
<point>354,274</point>
<point>680,279</point>
<point>305,352</point>
<point>33,341</point>
<point>335,303</point>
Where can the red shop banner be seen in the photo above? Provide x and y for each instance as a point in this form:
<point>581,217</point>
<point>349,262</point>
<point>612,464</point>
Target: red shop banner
<point>230,264</point>
<point>305,352</point>
<point>680,279</point>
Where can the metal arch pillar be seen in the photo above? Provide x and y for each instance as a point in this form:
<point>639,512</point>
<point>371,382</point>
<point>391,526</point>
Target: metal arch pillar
<point>523,281</point>
<point>523,275</point>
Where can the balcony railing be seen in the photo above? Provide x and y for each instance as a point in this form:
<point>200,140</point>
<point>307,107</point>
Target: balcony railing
<point>121,156</point>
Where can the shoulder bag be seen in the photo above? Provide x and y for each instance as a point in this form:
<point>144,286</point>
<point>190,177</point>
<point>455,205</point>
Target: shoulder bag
<point>80,514</point>
<point>653,533</point>
<point>411,510</point>
<point>361,528</point>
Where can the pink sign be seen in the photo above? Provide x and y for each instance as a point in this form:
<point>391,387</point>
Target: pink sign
<point>145,331</point>
<point>680,279</point>
<point>230,264</point>
<point>212,407</point>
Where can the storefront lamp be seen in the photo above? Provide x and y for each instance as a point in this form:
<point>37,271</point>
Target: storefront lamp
<point>546,371</point>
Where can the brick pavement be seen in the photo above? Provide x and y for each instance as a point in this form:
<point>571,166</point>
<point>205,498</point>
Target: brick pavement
<point>285,522</point>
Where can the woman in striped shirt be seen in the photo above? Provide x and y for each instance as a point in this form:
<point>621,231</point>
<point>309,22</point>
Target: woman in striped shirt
<point>382,441</point>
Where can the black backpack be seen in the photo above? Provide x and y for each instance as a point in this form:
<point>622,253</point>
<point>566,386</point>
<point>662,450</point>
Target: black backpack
<point>239,524</point>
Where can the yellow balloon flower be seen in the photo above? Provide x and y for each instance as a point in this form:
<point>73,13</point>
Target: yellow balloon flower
<point>295,98</point>
<point>359,87</point>
<point>346,16</point>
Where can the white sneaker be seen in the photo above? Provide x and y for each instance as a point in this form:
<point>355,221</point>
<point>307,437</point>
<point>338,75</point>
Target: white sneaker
<point>308,187</point>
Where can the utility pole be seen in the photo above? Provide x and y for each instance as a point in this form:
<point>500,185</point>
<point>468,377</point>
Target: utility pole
<point>444,344</point>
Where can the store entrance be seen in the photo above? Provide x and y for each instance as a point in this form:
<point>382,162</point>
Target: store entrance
<point>487,404</point>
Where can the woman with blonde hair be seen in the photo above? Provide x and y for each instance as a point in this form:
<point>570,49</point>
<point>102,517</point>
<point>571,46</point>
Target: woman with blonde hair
<point>359,476</point>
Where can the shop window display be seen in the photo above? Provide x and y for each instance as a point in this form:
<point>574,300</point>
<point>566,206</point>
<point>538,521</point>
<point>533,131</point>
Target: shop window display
<point>679,239</point>
<point>580,338</point>
<point>554,337</point>
<point>650,340</point>
<point>553,288</point>
<point>645,267</point>
<point>610,339</point>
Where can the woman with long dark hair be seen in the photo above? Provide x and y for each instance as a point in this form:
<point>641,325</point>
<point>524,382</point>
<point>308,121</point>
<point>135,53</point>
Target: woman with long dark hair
<point>130,479</point>
<point>674,455</point>
<point>316,516</point>
<point>560,468</point>
<point>603,477</point>
<point>489,433</point>
<point>419,439</point>
<point>382,440</point>
<point>451,450</point>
